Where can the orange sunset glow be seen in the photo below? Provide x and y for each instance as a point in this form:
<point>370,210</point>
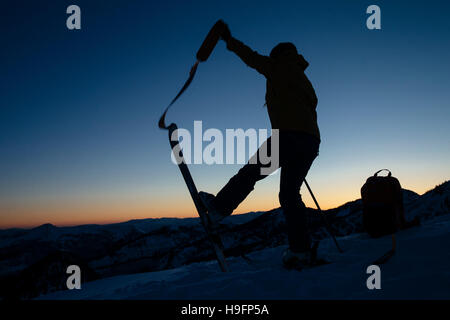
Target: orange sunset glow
<point>114,209</point>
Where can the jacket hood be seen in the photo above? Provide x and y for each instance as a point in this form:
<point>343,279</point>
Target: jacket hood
<point>302,62</point>
<point>293,57</point>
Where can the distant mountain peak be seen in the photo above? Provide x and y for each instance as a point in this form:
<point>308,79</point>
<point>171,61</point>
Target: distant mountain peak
<point>45,226</point>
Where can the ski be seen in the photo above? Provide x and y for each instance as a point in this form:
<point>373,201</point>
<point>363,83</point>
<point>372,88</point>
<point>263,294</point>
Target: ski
<point>212,234</point>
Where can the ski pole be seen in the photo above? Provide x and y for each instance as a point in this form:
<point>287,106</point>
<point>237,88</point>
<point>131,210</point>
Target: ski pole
<point>327,225</point>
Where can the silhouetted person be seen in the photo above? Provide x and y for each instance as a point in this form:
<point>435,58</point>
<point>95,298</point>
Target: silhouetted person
<point>291,104</point>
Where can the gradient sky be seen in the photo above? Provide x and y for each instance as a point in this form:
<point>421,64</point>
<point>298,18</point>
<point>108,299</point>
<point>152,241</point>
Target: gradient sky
<point>79,109</point>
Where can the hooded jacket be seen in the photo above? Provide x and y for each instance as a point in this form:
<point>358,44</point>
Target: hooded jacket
<point>290,97</point>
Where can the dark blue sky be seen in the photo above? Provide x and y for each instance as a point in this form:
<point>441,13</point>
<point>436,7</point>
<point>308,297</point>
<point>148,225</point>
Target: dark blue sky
<point>78,109</point>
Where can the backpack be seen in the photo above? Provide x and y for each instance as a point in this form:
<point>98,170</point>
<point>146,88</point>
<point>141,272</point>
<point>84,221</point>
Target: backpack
<point>382,199</point>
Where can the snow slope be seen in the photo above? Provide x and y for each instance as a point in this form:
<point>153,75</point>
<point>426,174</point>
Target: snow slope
<point>419,270</point>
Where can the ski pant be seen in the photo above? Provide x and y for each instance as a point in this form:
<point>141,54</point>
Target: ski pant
<point>297,151</point>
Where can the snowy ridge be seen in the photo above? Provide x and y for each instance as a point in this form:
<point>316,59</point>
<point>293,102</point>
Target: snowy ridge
<point>408,275</point>
<point>154,245</point>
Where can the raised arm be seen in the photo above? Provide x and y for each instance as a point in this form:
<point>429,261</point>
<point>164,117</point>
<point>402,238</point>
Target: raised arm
<point>253,59</point>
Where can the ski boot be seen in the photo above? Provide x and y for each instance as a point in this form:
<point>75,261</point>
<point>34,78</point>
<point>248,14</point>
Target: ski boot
<point>302,260</point>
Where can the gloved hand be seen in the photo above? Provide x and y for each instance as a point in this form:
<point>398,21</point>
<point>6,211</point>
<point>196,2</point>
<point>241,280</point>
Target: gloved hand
<point>226,34</point>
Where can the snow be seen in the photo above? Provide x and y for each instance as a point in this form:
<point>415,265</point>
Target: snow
<point>419,270</point>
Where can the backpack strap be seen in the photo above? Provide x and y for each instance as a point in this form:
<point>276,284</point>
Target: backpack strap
<point>376,173</point>
<point>385,257</point>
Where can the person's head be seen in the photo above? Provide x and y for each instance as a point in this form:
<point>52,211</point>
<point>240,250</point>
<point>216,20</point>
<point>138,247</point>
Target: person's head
<point>283,49</point>
<point>287,52</point>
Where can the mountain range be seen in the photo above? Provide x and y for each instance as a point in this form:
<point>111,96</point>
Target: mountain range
<point>33,261</point>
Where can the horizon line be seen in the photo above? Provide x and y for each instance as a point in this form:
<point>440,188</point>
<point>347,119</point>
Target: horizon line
<point>104,223</point>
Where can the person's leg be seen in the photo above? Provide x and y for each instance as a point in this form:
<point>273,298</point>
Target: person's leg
<point>240,185</point>
<point>298,152</point>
